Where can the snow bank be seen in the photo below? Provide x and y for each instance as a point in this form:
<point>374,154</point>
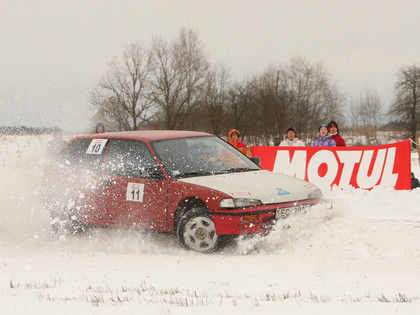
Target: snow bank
<point>359,258</point>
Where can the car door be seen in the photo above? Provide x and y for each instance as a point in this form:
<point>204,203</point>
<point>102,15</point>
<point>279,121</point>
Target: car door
<point>134,186</point>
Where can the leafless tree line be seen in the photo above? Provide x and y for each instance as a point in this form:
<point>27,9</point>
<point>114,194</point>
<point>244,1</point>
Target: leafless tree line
<point>172,85</point>
<point>406,107</point>
<point>368,116</point>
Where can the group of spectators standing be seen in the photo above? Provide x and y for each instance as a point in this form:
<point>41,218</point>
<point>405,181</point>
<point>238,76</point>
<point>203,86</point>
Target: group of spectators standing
<point>329,136</point>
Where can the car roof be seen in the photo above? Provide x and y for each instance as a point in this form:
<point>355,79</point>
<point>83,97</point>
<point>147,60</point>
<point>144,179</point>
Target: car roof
<point>148,135</point>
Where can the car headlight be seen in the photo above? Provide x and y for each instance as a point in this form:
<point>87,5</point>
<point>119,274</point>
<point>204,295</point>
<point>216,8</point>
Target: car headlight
<point>316,194</point>
<point>239,203</point>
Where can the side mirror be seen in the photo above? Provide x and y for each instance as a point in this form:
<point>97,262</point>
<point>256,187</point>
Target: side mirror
<point>256,160</point>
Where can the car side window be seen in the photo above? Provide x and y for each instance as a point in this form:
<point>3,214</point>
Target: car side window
<point>75,155</point>
<point>131,158</point>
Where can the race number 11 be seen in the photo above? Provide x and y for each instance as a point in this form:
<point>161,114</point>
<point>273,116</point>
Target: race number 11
<point>135,192</point>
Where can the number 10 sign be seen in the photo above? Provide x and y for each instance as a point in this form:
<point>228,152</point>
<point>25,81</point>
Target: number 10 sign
<point>96,146</point>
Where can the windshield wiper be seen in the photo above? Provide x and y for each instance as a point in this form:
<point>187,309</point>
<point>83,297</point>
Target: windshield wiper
<point>239,169</point>
<point>194,173</point>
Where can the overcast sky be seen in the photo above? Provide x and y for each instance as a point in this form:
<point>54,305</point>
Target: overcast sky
<point>54,52</point>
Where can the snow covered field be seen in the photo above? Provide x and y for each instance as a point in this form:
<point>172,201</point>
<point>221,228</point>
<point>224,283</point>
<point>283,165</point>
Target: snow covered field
<point>362,257</point>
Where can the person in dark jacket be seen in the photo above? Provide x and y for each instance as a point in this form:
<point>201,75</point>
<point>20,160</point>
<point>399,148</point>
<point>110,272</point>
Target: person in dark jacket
<point>414,182</point>
<point>335,134</point>
<point>100,128</point>
<point>324,140</point>
<point>291,139</point>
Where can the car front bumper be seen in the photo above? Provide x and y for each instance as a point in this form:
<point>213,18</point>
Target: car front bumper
<point>259,219</point>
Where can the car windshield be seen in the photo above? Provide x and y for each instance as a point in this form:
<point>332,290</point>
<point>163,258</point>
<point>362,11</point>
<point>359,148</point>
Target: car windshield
<point>200,156</point>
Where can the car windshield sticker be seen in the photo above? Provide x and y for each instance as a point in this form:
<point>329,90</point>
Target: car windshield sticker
<point>282,192</point>
<point>135,192</point>
<point>96,146</point>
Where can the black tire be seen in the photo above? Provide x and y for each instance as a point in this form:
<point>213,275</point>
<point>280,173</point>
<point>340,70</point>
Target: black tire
<point>196,231</point>
<point>66,222</point>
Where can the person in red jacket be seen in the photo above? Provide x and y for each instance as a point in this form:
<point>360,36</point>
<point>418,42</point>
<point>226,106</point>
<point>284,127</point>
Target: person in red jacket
<point>335,135</point>
<point>234,136</point>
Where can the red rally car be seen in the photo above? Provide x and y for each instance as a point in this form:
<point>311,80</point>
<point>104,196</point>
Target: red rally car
<point>192,183</point>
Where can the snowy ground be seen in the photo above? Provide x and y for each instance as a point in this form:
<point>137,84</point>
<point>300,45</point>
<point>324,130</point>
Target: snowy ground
<point>362,257</point>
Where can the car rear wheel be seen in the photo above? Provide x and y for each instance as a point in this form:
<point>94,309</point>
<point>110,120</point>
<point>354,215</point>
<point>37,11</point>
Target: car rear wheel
<point>66,222</point>
<point>196,231</point>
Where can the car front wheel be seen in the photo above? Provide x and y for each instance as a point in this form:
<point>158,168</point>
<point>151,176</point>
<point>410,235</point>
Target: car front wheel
<point>196,231</point>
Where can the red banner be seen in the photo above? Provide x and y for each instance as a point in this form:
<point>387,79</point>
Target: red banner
<point>360,167</point>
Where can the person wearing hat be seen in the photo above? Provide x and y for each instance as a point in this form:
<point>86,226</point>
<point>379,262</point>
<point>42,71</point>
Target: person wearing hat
<point>234,136</point>
<point>100,128</point>
<point>335,135</point>
<point>291,139</point>
<point>323,140</point>
<point>414,182</point>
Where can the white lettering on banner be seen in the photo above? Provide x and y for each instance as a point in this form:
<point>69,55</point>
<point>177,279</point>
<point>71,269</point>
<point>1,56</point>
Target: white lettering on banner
<point>349,159</point>
<point>319,158</point>
<point>363,179</point>
<point>389,178</point>
<point>296,167</point>
<point>382,166</point>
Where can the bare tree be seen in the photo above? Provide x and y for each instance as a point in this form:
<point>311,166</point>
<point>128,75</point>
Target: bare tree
<point>124,92</point>
<point>367,116</point>
<point>191,57</point>
<point>240,113</point>
<point>214,103</point>
<point>406,107</point>
<point>113,116</point>
<point>179,73</point>
<point>271,106</point>
<point>315,99</point>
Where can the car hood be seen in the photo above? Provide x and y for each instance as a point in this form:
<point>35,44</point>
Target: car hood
<point>269,187</point>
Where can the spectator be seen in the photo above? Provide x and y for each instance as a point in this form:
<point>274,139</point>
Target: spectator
<point>335,134</point>
<point>414,181</point>
<point>100,128</point>
<point>234,136</point>
<point>291,139</point>
<point>324,140</point>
